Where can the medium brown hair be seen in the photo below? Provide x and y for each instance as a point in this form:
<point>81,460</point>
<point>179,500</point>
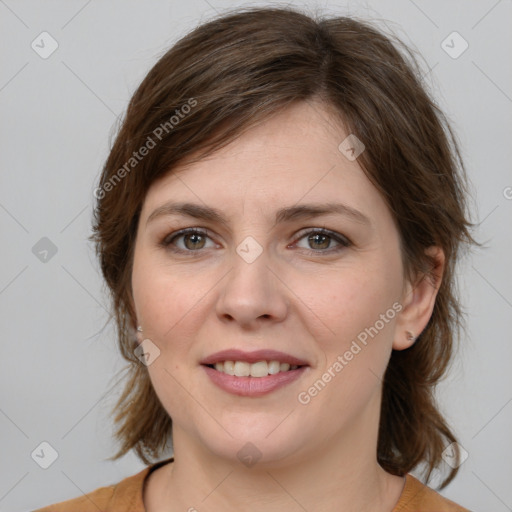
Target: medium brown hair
<point>238,70</point>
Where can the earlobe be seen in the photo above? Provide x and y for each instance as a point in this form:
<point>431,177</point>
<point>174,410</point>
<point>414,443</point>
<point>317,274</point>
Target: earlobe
<point>418,302</point>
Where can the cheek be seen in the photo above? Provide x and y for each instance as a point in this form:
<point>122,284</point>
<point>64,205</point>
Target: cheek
<point>357,309</point>
<point>356,347</point>
<point>163,297</point>
<point>344,304</point>
<point>165,305</point>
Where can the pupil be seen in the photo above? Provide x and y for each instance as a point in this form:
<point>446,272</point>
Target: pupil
<point>192,241</point>
<point>316,237</point>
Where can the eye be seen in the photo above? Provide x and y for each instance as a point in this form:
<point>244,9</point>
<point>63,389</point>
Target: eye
<point>192,240</point>
<point>322,240</point>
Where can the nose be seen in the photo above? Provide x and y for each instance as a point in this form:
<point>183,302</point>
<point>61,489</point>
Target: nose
<point>252,293</point>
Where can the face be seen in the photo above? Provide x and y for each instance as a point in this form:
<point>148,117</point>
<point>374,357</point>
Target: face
<point>268,273</point>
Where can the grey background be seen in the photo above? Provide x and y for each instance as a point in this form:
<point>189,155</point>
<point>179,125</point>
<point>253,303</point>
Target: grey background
<point>57,115</point>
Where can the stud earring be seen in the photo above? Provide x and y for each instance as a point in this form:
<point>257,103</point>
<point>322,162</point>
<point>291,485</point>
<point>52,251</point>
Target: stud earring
<point>410,336</point>
<point>139,328</point>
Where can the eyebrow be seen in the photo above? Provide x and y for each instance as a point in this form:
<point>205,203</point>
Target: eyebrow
<point>286,214</point>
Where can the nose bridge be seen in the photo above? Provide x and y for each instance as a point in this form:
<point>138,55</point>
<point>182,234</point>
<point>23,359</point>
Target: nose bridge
<point>251,290</point>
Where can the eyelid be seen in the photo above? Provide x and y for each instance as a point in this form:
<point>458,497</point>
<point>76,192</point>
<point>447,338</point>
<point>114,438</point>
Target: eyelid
<point>333,234</point>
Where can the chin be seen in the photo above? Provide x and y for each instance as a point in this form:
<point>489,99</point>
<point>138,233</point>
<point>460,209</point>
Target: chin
<point>256,440</point>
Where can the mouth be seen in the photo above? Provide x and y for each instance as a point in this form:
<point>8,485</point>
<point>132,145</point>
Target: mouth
<point>253,373</point>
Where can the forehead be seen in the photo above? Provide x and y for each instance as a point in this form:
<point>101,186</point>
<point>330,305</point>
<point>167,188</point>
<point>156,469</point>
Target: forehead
<point>291,158</point>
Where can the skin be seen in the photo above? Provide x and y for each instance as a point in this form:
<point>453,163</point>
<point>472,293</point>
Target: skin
<point>309,298</point>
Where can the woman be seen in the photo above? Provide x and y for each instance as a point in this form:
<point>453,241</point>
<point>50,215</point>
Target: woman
<point>278,222</point>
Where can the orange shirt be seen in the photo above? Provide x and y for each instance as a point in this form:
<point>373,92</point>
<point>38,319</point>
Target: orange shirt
<point>126,496</point>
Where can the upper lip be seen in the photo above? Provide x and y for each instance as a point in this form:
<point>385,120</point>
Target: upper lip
<point>253,357</point>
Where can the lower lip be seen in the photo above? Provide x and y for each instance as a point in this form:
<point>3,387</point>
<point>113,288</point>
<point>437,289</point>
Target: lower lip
<point>253,386</point>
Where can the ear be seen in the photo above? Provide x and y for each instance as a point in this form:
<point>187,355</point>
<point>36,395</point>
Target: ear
<point>418,301</point>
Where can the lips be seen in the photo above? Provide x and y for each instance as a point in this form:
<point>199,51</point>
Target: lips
<point>246,383</point>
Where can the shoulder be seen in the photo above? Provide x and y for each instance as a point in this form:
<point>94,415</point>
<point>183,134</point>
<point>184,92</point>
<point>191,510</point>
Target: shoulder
<point>417,497</point>
<point>124,495</point>
<point>90,502</point>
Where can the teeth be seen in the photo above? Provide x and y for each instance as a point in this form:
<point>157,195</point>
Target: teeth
<point>273,367</point>
<point>229,367</point>
<point>242,369</point>
<point>259,369</point>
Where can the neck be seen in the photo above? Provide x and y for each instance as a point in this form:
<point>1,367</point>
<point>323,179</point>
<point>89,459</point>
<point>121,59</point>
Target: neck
<point>341,473</point>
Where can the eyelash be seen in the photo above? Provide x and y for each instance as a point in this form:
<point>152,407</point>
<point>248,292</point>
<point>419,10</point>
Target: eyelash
<point>344,242</point>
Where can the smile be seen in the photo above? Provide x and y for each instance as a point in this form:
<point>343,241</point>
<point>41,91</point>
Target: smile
<point>253,374</point>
